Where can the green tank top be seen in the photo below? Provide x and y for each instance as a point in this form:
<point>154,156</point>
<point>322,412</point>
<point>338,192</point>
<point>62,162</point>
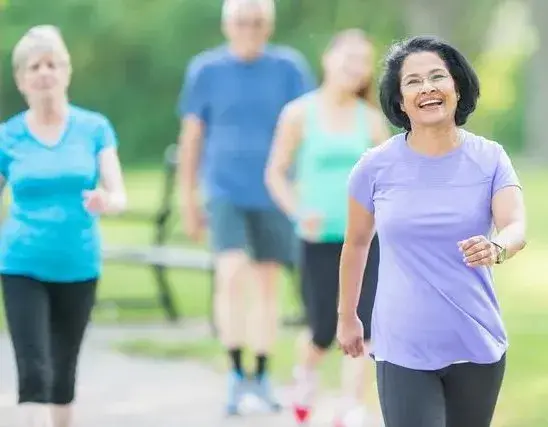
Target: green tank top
<point>324,162</point>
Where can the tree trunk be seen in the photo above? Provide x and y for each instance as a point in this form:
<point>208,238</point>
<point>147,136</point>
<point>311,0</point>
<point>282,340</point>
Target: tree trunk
<point>537,93</point>
<point>428,17</point>
<point>462,23</point>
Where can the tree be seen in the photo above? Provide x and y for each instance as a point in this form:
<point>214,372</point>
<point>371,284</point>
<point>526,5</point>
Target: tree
<point>537,91</point>
<point>462,23</point>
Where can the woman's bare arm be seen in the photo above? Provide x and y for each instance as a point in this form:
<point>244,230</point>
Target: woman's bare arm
<point>359,234</point>
<point>112,180</point>
<point>287,139</point>
<point>509,217</point>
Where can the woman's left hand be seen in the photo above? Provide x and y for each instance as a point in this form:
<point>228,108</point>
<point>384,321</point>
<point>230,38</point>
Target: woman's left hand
<point>96,201</point>
<point>478,251</point>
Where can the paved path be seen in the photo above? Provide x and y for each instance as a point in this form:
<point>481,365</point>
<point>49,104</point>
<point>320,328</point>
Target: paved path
<point>119,391</point>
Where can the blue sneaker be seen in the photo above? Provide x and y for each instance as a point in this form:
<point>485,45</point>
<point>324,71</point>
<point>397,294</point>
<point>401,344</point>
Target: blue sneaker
<point>236,389</point>
<point>260,387</point>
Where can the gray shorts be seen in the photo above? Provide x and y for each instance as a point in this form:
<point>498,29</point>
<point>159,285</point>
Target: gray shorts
<point>265,234</point>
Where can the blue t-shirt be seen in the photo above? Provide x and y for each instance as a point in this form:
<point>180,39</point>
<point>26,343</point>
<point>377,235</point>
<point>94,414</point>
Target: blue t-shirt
<point>239,103</point>
<point>48,234</point>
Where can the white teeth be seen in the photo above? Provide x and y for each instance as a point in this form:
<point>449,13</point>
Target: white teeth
<point>431,102</point>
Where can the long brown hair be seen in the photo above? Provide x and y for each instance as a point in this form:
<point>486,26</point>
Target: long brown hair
<point>367,91</point>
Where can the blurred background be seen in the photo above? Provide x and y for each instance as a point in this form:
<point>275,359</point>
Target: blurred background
<point>129,57</point>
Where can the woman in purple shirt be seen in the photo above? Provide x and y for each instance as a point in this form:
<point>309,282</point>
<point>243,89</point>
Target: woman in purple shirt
<point>433,195</point>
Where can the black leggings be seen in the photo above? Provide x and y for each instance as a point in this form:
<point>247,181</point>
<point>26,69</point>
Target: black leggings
<point>461,395</point>
<point>320,288</point>
<point>46,322</point>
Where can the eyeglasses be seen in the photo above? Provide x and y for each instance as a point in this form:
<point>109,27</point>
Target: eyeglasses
<point>252,24</point>
<point>417,82</point>
<point>52,65</point>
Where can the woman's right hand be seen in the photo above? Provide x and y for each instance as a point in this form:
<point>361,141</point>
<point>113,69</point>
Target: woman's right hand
<point>311,226</point>
<point>350,335</point>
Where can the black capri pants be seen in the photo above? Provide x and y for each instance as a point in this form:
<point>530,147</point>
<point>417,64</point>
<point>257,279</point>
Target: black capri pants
<point>46,322</point>
<point>461,395</point>
<point>320,289</point>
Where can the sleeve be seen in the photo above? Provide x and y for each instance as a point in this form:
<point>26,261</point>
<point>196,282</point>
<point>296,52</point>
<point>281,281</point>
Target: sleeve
<point>505,175</point>
<point>302,78</point>
<point>193,95</point>
<point>105,136</point>
<point>4,158</point>
<point>361,185</point>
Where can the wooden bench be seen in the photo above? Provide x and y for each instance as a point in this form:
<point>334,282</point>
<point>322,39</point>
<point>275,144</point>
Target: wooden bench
<point>162,257</point>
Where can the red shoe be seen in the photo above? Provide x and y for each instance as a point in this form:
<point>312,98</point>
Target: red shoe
<point>305,384</point>
<point>302,414</point>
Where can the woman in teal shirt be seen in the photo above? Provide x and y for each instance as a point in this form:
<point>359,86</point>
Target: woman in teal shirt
<point>61,165</point>
<point>324,133</point>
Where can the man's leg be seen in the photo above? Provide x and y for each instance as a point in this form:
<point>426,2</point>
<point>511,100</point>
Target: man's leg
<point>271,238</point>
<point>229,242</point>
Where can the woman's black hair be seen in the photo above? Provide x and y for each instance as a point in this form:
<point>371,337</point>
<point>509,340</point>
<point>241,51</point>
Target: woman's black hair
<point>466,80</point>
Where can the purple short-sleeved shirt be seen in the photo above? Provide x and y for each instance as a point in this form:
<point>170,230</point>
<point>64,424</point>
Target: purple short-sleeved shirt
<point>431,310</point>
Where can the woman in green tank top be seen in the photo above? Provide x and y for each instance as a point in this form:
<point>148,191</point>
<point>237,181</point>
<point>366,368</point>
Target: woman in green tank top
<point>323,134</point>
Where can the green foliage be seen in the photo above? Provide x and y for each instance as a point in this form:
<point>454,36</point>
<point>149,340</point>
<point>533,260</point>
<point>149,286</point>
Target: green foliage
<point>508,126</point>
<point>501,108</point>
<point>128,60</point>
<point>471,24</point>
<point>129,56</point>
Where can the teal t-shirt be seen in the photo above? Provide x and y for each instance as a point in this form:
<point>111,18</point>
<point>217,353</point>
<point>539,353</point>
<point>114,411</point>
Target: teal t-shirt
<point>48,234</point>
<point>324,163</point>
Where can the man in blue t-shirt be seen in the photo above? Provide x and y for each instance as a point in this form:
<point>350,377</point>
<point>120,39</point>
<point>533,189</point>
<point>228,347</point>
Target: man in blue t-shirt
<point>229,107</point>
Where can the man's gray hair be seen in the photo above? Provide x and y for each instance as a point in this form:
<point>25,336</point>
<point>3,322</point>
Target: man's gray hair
<point>231,7</point>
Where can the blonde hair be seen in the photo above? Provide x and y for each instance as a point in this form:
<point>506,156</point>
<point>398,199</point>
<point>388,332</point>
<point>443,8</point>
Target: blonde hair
<point>230,7</point>
<point>39,39</point>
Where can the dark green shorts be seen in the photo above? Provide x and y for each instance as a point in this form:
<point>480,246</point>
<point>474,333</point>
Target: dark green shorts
<point>265,234</point>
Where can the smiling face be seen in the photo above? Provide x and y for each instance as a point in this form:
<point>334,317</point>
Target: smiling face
<point>44,76</point>
<point>41,64</point>
<point>349,63</point>
<point>429,95</point>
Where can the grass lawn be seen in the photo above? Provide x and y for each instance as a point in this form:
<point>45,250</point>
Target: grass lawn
<point>522,286</point>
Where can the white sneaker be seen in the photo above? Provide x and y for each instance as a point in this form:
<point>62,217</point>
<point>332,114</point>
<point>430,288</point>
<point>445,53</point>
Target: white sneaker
<point>354,417</point>
<point>304,391</point>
